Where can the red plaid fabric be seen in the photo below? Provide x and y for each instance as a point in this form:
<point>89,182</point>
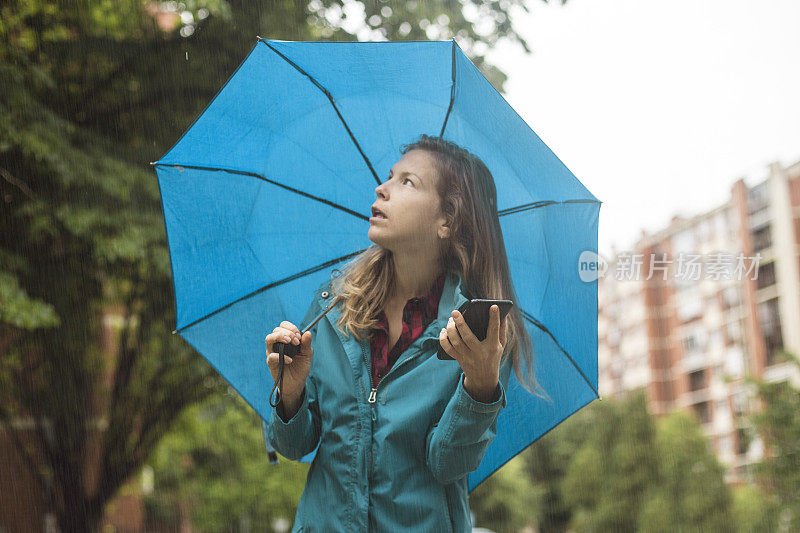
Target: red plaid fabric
<point>417,314</point>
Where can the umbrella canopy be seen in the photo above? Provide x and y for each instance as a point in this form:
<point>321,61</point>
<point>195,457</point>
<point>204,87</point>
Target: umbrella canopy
<point>271,187</point>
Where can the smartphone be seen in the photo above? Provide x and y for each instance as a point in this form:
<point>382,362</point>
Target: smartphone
<point>476,315</point>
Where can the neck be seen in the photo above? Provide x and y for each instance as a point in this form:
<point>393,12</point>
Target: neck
<point>414,275</point>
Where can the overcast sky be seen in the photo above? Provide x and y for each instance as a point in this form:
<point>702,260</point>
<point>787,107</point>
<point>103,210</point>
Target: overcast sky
<point>659,106</point>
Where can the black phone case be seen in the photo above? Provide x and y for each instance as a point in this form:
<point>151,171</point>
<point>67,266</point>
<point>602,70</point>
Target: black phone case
<point>476,315</point>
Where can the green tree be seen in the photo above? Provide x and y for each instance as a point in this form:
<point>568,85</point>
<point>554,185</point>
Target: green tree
<point>609,474</point>
<point>689,492</point>
<point>778,424</point>
<point>505,500</point>
<point>213,458</point>
<point>90,92</point>
<point>753,510</point>
<point>546,464</point>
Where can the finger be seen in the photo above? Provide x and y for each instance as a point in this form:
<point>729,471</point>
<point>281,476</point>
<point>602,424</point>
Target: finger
<point>453,335</point>
<point>289,336</point>
<point>305,346</point>
<point>464,330</point>
<point>291,327</point>
<point>454,338</point>
<point>504,332</point>
<point>494,323</point>
<point>274,362</point>
<point>447,346</point>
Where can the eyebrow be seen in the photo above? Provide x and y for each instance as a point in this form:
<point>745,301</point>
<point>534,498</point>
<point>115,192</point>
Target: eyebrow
<point>407,173</point>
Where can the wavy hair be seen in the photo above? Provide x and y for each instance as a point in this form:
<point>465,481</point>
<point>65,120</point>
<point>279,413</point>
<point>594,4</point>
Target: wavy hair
<point>475,249</point>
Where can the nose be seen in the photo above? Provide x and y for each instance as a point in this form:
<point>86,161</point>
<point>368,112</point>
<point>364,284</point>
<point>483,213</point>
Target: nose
<point>381,191</point>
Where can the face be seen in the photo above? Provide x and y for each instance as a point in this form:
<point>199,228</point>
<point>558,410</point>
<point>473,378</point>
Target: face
<point>410,201</point>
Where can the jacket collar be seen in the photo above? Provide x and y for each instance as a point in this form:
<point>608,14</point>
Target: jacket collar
<point>454,294</point>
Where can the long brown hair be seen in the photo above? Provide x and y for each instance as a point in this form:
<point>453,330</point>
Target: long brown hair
<point>475,249</point>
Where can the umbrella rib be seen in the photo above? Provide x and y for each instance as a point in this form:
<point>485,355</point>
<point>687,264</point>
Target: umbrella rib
<point>330,98</point>
<point>542,203</point>
<point>452,88</point>
<point>273,285</point>
<point>542,327</point>
<point>292,189</point>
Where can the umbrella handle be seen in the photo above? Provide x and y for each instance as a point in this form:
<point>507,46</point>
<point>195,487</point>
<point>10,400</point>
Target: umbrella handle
<point>280,346</point>
<point>291,350</point>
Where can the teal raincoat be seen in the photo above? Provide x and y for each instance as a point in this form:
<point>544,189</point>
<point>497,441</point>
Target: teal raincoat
<point>394,457</point>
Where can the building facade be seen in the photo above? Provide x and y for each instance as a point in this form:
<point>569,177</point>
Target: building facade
<point>696,306</point>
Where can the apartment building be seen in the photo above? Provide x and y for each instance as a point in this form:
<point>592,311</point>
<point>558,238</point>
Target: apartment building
<point>695,306</point>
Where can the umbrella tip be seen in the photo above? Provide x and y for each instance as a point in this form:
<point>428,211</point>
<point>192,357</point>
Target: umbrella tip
<point>152,162</point>
<point>174,331</point>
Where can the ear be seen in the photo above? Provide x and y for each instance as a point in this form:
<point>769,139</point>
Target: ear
<point>444,223</point>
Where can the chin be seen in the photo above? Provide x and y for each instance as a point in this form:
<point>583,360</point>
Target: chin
<point>378,239</point>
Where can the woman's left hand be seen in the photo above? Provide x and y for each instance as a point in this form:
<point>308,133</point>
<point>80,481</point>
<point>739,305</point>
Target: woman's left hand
<point>480,360</point>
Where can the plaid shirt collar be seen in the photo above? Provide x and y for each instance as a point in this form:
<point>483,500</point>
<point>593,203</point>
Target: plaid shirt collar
<point>428,304</point>
<point>417,314</point>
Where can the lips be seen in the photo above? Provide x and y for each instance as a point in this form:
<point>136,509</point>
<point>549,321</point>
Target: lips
<point>377,213</point>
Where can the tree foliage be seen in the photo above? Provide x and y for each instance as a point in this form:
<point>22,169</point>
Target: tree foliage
<point>90,93</point>
<point>214,458</point>
<point>691,490</point>
<point>778,424</point>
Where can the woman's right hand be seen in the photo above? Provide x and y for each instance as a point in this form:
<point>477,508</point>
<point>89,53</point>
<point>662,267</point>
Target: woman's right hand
<point>295,369</point>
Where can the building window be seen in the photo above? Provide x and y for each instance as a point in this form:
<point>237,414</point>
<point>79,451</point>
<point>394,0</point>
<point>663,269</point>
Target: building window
<point>762,238</point>
<point>743,441</point>
<point>697,380</point>
<point>770,321</point>
<point>733,332</point>
<point>739,401</point>
<point>689,302</point>
<point>766,275</point>
<point>702,411</point>
<point>690,344</point>
<point>758,197</point>
<point>730,296</point>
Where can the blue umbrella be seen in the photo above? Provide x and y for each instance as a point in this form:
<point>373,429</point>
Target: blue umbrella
<point>295,143</point>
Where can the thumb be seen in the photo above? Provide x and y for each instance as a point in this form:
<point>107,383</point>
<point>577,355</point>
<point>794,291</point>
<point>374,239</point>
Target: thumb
<point>305,344</point>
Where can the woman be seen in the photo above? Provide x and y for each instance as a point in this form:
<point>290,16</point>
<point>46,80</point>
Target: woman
<point>399,429</point>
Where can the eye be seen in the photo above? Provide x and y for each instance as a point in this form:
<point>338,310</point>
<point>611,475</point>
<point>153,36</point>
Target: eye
<point>408,179</point>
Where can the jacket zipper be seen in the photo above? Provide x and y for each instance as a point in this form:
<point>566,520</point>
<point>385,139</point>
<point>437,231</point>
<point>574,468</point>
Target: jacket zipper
<point>374,390</point>
<point>373,393</point>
